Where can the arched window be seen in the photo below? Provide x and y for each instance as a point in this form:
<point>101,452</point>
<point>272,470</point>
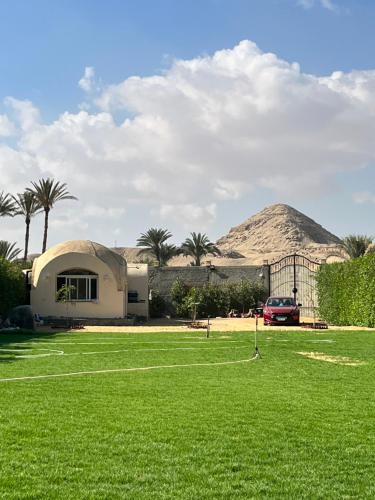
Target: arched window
<point>83,283</point>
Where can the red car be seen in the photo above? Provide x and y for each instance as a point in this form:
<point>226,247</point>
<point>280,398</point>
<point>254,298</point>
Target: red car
<point>281,311</point>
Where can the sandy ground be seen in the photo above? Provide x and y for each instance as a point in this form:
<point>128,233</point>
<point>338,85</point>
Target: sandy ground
<point>338,360</point>
<point>216,324</point>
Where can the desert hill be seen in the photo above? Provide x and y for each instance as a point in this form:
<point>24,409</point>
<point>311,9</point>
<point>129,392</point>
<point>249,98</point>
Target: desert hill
<point>278,227</point>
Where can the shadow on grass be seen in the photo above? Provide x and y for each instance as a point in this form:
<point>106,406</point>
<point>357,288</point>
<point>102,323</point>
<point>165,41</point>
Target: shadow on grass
<point>11,342</point>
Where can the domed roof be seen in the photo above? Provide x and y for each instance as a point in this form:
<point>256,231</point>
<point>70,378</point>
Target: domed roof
<point>114,261</point>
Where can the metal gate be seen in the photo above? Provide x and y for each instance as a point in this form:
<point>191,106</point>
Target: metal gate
<point>294,275</point>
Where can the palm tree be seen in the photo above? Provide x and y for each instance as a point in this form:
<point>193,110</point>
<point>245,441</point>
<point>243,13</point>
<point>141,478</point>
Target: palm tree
<point>48,192</point>
<point>153,242</point>
<point>199,246</point>
<point>26,205</point>
<point>356,245</point>
<point>167,252</point>
<point>6,205</point>
<point>8,250</point>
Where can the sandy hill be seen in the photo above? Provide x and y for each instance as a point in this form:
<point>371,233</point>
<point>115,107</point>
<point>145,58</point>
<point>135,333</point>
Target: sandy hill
<point>276,228</point>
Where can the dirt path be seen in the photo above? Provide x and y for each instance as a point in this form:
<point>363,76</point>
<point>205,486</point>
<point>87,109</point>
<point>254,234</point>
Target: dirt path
<point>217,325</point>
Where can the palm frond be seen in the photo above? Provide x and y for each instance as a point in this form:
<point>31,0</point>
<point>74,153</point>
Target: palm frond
<point>48,192</point>
<point>8,250</point>
<point>199,246</point>
<point>356,245</point>
<point>26,204</point>
<point>6,205</point>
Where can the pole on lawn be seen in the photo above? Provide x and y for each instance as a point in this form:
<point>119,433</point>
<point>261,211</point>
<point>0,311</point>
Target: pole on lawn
<point>208,327</point>
<point>256,354</point>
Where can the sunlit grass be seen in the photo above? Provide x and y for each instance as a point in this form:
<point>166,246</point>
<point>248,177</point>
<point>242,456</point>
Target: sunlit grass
<point>282,426</point>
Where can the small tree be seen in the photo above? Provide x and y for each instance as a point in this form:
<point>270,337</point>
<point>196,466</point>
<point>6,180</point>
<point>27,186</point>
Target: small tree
<point>157,305</point>
<point>64,295</point>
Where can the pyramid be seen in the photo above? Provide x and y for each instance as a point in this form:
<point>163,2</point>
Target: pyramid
<point>278,229</point>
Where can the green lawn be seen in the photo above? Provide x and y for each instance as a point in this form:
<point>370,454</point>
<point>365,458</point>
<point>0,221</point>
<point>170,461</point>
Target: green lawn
<point>280,427</point>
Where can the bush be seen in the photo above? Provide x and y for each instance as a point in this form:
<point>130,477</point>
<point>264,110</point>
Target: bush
<point>157,305</point>
<point>346,292</point>
<point>12,286</point>
<point>216,299</point>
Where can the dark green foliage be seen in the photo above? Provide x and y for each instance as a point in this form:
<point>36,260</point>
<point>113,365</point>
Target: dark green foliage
<point>154,244</point>
<point>216,300</point>
<point>179,294</point>
<point>346,292</point>
<point>22,316</point>
<point>47,192</point>
<point>198,246</point>
<point>8,250</point>
<point>356,244</point>
<point>12,286</point>
<point>157,305</point>
<point>6,205</point>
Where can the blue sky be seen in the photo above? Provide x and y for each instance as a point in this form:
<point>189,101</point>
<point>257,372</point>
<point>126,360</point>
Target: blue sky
<point>46,44</point>
<point>45,47</point>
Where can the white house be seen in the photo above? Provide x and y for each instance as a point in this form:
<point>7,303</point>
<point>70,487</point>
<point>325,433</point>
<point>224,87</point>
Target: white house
<point>102,284</point>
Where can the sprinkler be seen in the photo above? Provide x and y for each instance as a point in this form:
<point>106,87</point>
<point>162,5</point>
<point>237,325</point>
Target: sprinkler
<point>256,354</point>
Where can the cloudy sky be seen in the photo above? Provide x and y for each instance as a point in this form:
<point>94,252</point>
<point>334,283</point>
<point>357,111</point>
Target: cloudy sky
<point>190,115</point>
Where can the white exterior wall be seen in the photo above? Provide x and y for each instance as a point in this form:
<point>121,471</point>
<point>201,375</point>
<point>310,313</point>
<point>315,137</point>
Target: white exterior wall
<point>111,302</point>
<point>138,282</point>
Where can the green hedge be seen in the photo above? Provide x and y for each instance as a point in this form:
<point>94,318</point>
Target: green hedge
<point>12,286</point>
<point>216,300</point>
<point>346,292</point>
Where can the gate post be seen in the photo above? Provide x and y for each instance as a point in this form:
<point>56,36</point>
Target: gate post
<point>267,266</point>
<point>294,279</point>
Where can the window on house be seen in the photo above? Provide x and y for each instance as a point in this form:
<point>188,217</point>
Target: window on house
<point>84,283</point>
<point>132,297</point>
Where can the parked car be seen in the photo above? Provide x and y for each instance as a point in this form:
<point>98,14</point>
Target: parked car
<point>281,311</point>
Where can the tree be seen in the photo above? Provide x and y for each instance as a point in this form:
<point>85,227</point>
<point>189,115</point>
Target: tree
<point>167,252</point>
<point>199,246</point>
<point>356,245</point>
<point>6,205</point>
<point>26,205</point>
<point>8,250</point>
<point>12,286</point>
<point>64,295</point>
<point>47,193</point>
<point>153,242</point>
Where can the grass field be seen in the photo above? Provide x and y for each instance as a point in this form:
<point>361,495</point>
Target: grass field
<point>284,426</point>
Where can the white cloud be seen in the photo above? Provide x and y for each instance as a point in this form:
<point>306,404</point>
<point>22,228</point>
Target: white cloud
<point>7,128</point>
<point>87,82</point>
<point>327,4</point>
<point>25,113</point>
<point>364,197</point>
<point>189,213</point>
<point>210,129</point>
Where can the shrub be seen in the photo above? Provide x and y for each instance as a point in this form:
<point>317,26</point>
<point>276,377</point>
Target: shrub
<point>157,305</point>
<point>216,299</point>
<point>346,292</point>
<point>12,286</point>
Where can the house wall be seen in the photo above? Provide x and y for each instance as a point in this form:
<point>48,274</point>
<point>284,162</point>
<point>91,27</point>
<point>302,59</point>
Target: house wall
<point>111,302</point>
<point>162,278</point>
<point>138,281</point>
